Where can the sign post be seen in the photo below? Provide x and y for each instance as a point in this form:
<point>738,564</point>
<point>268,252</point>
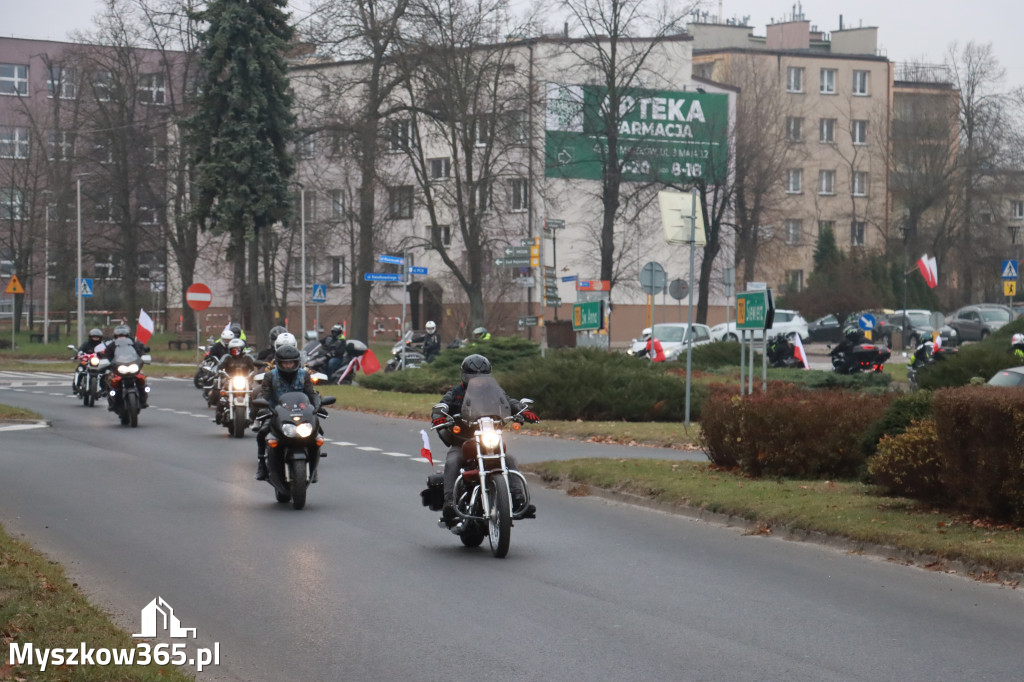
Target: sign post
<point>754,310</point>
<point>1010,270</point>
<point>13,288</point>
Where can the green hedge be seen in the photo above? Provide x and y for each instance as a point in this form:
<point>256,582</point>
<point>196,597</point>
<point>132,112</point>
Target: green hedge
<point>982,359</point>
<point>903,411</point>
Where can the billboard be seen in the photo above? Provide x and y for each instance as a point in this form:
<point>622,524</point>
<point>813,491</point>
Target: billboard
<point>674,137</point>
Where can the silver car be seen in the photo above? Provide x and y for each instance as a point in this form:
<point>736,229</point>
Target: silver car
<point>785,322</point>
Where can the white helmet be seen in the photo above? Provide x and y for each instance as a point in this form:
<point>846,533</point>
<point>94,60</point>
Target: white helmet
<point>646,333</point>
<point>1017,340</point>
<point>285,339</point>
<point>236,347</point>
<point>226,336</point>
<point>431,327</point>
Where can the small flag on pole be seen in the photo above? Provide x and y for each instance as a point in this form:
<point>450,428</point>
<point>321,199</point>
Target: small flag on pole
<point>929,270</point>
<point>799,352</point>
<point>145,329</point>
<point>425,450</point>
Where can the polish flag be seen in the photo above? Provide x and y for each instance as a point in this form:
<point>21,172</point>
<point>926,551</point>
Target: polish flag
<point>425,450</point>
<point>369,362</point>
<point>929,270</point>
<point>145,329</point>
<point>799,352</point>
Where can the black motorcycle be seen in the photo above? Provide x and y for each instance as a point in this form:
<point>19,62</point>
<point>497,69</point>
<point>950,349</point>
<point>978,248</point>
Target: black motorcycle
<point>318,360</point>
<point>782,353</point>
<point>411,358</point>
<point>862,357</point>
<point>126,384</point>
<point>293,444</point>
<point>924,356</point>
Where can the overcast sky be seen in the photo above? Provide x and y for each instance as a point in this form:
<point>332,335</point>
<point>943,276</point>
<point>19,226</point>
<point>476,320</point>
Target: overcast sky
<point>919,30</point>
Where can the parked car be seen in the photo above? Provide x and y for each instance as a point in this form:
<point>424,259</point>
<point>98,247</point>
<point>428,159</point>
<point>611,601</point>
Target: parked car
<point>671,335</point>
<point>975,322</point>
<point>917,324</point>
<point>827,330</point>
<point>785,322</point>
<point>1014,376</point>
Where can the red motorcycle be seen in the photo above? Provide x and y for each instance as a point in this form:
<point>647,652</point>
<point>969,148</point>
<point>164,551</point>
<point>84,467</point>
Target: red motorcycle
<point>87,383</point>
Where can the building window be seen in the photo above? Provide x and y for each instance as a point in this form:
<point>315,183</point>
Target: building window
<point>1017,210</point>
<point>859,132</point>
<point>860,183</point>
<point>795,79</point>
<point>61,82</point>
<point>794,181</point>
<point>337,270</point>
<point>149,215</point>
<point>794,128</point>
<point>106,270</point>
<point>337,204</point>
<point>60,145</point>
<point>827,130</point>
<point>102,84</point>
<point>482,199</point>
<point>826,225</point>
<point>151,88</point>
<point>10,203</point>
<point>444,233</point>
<point>13,142</point>
<point>13,79</point>
<point>400,135</point>
<point>305,147</point>
<point>400,202</point>
<point>795,280</point>
<point>440,168</point>
<point>857,233</point>
<point>826,182</point>
<point>483,130</point>
<point>105,210</point>
<point>310,206</point>
<point>828,82</point>
<point>295,268</point>
<point>520,194</point>
<point>860,83</point>
<point>519,126</point>
<point>793,228</point>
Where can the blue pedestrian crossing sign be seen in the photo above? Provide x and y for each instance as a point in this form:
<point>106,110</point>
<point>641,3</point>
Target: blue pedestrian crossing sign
<point>85,286</point>
<point>1009,269</point>
<point>319,293</point>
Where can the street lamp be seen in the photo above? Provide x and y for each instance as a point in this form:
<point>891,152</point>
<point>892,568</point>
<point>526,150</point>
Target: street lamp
<point>78,280</point>
<point>46,272</point>
<point>302,223</point>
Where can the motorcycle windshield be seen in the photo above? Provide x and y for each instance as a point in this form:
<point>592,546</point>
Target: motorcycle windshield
<point>294,404</point>
<point>124,352</point>
<point>484,398</point>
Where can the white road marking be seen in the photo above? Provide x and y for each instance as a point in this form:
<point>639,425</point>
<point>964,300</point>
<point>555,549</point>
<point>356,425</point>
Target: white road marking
<point>367,448</point>
<point>394,454</point>
<point>24,427</point>
<point>342,443</point>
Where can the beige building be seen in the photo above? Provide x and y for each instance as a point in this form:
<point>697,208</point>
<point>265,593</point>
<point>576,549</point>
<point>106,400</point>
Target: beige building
<point>828,100</point>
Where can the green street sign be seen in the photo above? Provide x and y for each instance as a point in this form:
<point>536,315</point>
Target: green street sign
<point>517,251</point>
<point>754,310</point>
<point>587,316</point>
<point>512,262</point>
<point>529,321</point>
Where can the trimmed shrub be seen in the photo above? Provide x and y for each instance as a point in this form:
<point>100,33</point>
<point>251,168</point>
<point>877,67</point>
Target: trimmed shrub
<point>905,409</point>
<point>909,463</point>
<point>982,359</point>
<point>713,355</point>
<point>789,430</point>
<point>981,442</point>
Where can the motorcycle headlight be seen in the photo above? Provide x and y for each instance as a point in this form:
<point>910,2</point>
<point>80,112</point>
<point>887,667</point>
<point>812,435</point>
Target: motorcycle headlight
<point>288,430</point>
<point>304,430</point>
<point>489,437</point>
<point>239,383</point>
<point>133,368</point>
<point>127,369</point>
<point>94,361</point>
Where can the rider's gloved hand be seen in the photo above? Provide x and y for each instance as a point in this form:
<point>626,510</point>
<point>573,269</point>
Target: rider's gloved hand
<point>531,417</point>
<point>439,421</point>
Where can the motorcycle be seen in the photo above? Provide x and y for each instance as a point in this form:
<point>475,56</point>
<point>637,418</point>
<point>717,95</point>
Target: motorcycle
<point>236,390</point>
<point>318,359</point>
<point>126,383</point>
<point>483,501</point>
<point>293,444</point>
<point>207,368</point>
<point>863,357</point>
<point>413,356</point>
<point>924,356</point>
<point>781,353</point>
<point>88,377</point>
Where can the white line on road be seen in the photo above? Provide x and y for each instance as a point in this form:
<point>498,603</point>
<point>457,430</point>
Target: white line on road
<point>394,454</point>
<point>24,427</point>
<point>367,448</point>
<point>342,443</point>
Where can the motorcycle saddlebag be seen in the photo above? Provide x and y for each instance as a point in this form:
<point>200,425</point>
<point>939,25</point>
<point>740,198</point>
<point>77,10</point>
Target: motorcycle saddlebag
<point>433,496</point>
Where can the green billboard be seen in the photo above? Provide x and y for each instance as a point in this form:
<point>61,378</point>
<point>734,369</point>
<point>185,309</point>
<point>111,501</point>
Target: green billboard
<point>664,135</point>
<point>588,316</point>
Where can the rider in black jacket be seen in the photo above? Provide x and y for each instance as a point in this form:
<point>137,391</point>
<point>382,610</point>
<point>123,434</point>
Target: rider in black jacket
<point>431,342</point>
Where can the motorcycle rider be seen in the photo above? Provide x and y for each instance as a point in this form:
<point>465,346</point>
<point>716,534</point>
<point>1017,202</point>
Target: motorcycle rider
<point>267,354</point>
<point>653,349</point>
<point>473,365</point>
<point>220,348</point>
<point>1017,346</point>
<point>123,331</point>
<point>852,337</point>
<point>286,376</point>
<point>236,329</point>
<point>481,334</point>
<point>88,346</point>
<point>335,346</point>
<point>236,360</point>
<point>431,342</point>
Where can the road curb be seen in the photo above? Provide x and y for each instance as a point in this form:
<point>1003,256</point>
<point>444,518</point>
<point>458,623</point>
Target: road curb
<point>23,426</point>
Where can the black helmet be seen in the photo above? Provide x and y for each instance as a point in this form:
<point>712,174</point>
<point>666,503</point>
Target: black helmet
<point>122,330</point>
<point>852,333</point>
<point>236,329</point>
<point>287,361</point>
<point>474,365</point>
<point>274,333</point>
<point>95,334</point>
<point>337,330</point>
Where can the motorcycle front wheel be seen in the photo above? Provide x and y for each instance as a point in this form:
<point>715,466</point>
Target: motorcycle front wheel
<point>93,390</point>
<point>499,516</point>
<point>298,476</point>
<point>238,421</point>
<point>131,409</point>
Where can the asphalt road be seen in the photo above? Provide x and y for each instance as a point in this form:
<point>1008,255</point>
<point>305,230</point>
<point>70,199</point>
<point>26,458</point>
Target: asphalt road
<point>362,585</point>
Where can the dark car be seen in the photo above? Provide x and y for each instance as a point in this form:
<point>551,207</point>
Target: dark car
<point>917,324</point>
<point>975,322</point>
<point>1014,376</point>
<point>828,330</point>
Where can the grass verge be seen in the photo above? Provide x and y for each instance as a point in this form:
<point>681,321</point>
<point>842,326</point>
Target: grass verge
<point>849,510</point>
<point>39,606</point>
<point>9,413</point>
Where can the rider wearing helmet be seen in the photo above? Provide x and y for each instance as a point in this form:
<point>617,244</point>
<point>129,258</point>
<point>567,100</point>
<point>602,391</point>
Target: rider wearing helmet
<point>236,329</point>
<point>852,337</point>
<point>122,336</point>
<point>335,348</point>
<point>653,348</point>
<point>1017,346</point>
<point>472,366</point>
<point>431,342</point>
<point>481,334</point>
<point>267,354</point>
<point>220,348</point>
<point>235,361</point>
<point>287,376</point>
<point>95,338</point>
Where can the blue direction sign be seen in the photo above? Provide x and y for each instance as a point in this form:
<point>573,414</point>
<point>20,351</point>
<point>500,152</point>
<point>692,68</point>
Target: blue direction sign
<point>319,293</point>
<point>1009,269</point>
<point>570,278</point>
<point>418,270</point>
<point>866,322</point>
<point>392,260</point>
<point>382,277</point>
<point>85,285</point>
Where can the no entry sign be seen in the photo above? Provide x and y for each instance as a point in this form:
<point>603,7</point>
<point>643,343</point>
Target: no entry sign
<point>198,296</point>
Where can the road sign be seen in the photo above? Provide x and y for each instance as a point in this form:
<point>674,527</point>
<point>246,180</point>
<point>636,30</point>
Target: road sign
<point>551,291</point>
<point>554,224</point>
<point>753,310</point>
<point>593,285</point>
<point>529,321</point>
<point>382,277</point>
<point>1010,269</point>
<point>319,293</point>
<point>652,278</point>
<point>14,286</point>
<point>1010,288</point>
<point>512,262</point>
<point>198,296</point>
<point>588,316</point>
<point>867,322</point>
<point>391,260</point>
<point>678,289</point>
<point>524,282</point>
<point>517,251</point>
<point>416,270</point>
<point>86,285</point>
<point>570,278</point>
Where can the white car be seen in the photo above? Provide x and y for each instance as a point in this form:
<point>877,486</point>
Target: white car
<point>785,322</point>
<point>671,335</point>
